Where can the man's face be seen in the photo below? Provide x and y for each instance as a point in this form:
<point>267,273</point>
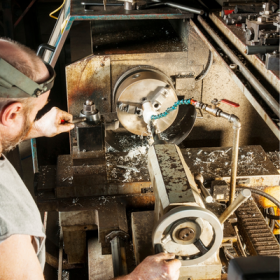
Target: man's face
<point>11,140</point>
<point>25,119</point>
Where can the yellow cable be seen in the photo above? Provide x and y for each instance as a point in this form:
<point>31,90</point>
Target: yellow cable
<point>51,14</point>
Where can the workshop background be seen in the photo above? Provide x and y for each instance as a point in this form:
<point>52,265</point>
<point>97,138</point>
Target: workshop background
<point>35,28</point>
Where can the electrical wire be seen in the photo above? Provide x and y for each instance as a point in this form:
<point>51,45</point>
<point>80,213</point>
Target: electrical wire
<point>204,72</point>
<point>53,12</point>
<point>228,254</point>
<point>262,193</point>
<point>272,217</point>
<point>271,222</point>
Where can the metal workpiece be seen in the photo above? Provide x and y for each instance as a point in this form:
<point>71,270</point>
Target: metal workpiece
<point>263,92</point>
<point>199,180</point>
<point>191,239</point>
<point>241,198</point>
<point>90,112</point>
<point>137,86</point>
<point>129,5</point>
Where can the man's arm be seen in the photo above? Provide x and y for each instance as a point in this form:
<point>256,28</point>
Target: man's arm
<point>18,259</point>
<point>50,124</point>
<point>158,267</point>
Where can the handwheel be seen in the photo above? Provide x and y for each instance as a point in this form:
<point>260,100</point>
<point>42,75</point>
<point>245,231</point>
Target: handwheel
<point>182,226</point>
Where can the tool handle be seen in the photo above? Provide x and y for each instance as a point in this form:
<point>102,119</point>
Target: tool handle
<point>74,121</point>
<point>158,248</point>
<point>233,104</point>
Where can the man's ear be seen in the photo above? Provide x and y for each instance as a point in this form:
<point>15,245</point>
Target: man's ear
<point>10,113</point>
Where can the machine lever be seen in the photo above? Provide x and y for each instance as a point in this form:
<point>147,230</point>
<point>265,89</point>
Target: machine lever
<point>241,198</point>
<point>199,180</point>
<point>233,104</point>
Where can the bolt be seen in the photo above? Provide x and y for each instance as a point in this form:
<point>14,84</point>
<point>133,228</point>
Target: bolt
<point>88,102</point>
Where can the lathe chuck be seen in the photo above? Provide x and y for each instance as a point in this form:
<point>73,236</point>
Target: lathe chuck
<point>141,84</point>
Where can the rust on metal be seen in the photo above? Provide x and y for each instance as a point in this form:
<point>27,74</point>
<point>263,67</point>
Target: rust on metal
<point>49,203</point>
<point>90,79</point>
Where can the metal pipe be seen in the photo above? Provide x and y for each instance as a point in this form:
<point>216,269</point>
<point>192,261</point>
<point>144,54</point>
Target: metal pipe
<point>185,8</point>
<point>199,180</point>
<point>261,49</point>
<point>177,6</point>
<point>235,146</point>
<point>217,112</point>
<point>234,162</point>
<point>241,198</point>
<point>266,96</point>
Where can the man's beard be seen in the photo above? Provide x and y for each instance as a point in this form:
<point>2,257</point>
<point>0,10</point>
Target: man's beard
<point>9,144</point>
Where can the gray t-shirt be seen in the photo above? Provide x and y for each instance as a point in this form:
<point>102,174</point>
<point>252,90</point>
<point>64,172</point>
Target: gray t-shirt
<point>19,213</point>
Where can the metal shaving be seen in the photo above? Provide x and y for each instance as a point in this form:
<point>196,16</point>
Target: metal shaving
<point>218,163</point>
<point>128,167</point>
<point>275,158</point>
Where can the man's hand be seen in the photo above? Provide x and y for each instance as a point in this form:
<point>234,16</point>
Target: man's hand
<point>158,267</point>
<point>50,124</point>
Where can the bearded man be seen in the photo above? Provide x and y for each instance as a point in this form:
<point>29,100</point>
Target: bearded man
<point>22,236</point>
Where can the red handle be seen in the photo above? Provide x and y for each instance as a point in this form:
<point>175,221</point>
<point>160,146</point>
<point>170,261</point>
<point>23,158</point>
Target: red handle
<point>63,121</point>
<point>233,104</point>
<point>227,12</point>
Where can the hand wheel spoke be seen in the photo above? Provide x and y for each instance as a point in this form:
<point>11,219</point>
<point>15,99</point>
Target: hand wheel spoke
<point>200,246</point>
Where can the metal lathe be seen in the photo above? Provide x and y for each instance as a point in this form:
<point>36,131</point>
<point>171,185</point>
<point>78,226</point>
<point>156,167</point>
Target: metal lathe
<point>177,150</point>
